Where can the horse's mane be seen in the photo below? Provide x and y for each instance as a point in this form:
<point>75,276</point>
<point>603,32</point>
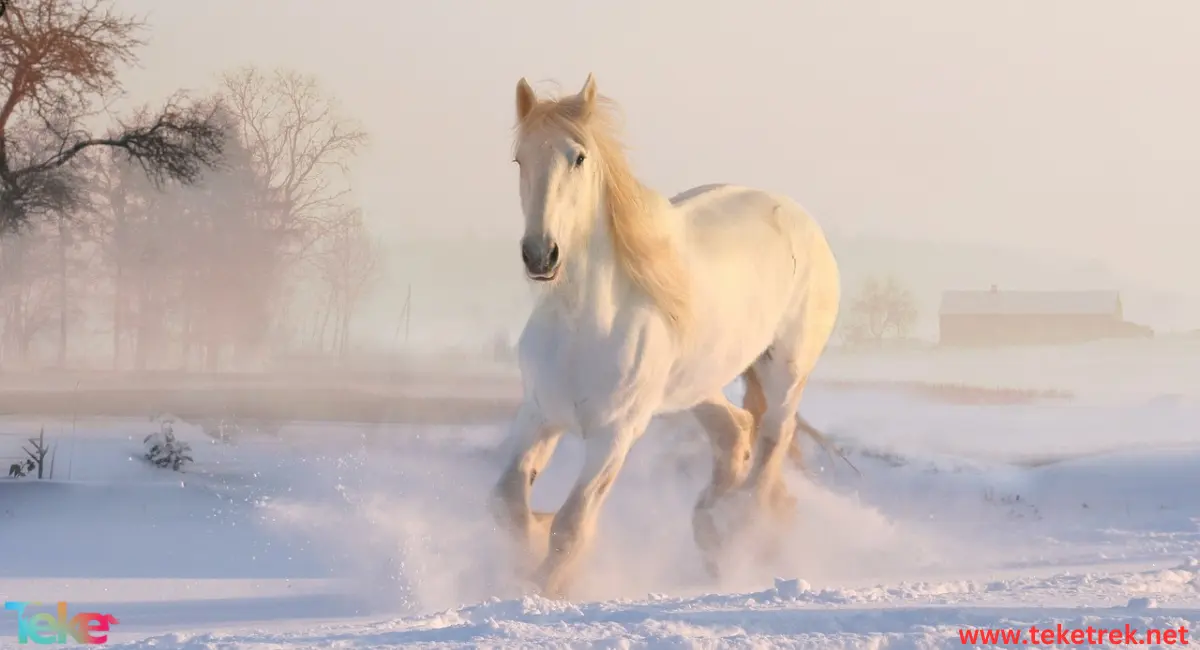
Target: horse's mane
<point>641,244</point>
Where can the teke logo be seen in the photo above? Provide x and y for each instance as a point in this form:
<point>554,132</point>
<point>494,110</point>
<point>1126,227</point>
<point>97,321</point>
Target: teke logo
<point>45,628</point>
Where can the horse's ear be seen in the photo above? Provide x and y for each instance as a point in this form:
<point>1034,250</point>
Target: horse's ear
<point>588,95</point>
<point>526,99</point>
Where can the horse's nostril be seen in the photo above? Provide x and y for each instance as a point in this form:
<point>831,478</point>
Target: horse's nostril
<point>553,253</point>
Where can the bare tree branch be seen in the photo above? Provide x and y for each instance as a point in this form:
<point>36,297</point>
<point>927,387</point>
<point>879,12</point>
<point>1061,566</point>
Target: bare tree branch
<point>59,60</point>
<point>177,143</point>
<point>301,145</point>
<point>350,261</point>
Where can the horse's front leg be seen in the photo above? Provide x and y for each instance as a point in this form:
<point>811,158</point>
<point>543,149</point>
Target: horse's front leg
<point>533,441</point>
<point>575,524</point>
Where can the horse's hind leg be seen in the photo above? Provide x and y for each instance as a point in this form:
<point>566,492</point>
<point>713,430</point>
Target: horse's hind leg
<point>730,433</point>
<point>782,379</point>
<point>533,441</point>
<point>755,402</point>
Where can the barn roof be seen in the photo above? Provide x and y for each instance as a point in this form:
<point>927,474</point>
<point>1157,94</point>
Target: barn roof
<point>1028,303</point>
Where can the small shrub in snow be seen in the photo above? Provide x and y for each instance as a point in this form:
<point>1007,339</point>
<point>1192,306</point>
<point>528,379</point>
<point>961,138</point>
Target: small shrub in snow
<point>21,469</point>
<point>165,450</point>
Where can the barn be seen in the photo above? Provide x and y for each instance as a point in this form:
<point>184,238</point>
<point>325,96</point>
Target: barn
<point>994,317</point>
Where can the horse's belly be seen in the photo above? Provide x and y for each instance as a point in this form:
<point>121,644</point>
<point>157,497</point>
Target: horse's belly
<point>732,330</point>
<point>683,396</point>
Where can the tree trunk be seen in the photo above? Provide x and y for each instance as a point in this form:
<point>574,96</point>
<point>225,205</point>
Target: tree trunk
<point>351,298</point>
<point>141,343</point>
<point>26,335</point>
<point>63,244</point>
<point>329,309</point>
<point>14,262</point>
<point>119,253</point>
<point>12,338</point>
<point>344,343</point>
<point>118,286</point>
<point>186,334</point>
<point>211,356</point>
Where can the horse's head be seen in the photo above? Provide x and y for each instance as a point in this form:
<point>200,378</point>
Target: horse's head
<point>560,170</point>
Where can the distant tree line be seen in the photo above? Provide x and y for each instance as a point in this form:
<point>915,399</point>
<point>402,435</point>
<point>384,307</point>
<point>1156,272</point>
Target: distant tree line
<point>198,233</point>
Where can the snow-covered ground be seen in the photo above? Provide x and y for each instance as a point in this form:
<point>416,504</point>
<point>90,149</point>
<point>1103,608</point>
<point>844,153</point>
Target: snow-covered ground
<point>1077,514</point>
<point>1105,372</point>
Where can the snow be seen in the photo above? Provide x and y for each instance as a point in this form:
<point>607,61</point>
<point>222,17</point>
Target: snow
<point>1104,372</point>
<point>1075,513</point>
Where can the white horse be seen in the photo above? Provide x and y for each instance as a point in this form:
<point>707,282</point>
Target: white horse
<point>651,306</point>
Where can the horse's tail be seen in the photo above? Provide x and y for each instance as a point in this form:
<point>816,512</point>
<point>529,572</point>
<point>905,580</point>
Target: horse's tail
<point>819,438</point>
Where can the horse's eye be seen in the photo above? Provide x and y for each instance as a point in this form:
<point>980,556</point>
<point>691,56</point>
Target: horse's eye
<point>579,160</point>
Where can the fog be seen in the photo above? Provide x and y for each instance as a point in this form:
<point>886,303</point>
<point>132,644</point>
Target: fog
<point>949,145</point>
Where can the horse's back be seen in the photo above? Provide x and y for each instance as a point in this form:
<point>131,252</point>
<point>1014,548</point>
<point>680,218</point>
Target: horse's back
<point>715,205</point>
<point>725,219</point>
<point>763,272</point>
<point>719,199</point>
<point>781,246</point>
<point>683,197</point>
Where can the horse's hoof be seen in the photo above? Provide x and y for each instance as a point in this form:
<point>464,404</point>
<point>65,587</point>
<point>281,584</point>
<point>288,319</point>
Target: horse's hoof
<point>730,513</point>
<point>551,590</point>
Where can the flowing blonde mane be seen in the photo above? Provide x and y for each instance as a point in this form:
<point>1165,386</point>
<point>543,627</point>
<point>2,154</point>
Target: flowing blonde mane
<point>642,245</point>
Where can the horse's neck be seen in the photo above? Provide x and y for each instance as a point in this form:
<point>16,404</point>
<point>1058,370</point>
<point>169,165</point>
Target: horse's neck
<point>591,276</point>
<point>596,286</point>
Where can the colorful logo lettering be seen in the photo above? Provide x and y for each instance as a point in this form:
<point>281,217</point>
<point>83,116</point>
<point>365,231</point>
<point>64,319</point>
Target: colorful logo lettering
<point>44,628</point>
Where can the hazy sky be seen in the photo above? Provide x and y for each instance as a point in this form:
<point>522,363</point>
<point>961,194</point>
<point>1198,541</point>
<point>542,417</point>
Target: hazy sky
<point>1071,127</point>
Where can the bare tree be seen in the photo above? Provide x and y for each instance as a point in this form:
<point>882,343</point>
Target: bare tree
<point>59,61</point>
<point>66,241</point>
<point>350,262</point>
<point>301,145</point>
<point>26,290</point>
<point>193,269</point>
<point>38,454</point>
<point>882,306</point>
